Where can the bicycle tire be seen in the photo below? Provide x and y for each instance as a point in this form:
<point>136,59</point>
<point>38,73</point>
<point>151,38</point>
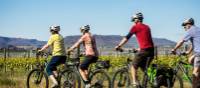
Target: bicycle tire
<point>102,80</point>
<point>179,84</point>
<point>70,79</point>
<point>39,74</point>
<point>122,80</point>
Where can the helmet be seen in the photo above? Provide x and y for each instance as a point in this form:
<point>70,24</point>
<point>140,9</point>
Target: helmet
<point>188,21</point>
<point>85,28</point>
<point>55,28</point>
<point>137,16</point>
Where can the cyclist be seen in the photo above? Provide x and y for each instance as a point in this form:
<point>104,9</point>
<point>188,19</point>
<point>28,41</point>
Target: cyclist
<point>56,41</point>
<point>193,35</point>
<point>146,46</point>
<point>91,53</point>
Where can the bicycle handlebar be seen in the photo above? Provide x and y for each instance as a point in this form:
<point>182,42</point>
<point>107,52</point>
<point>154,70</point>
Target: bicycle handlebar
<point>179,53</point>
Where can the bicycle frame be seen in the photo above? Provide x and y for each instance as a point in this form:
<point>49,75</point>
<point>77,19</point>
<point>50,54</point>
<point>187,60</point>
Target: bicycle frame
<point>75,67</point>
<point>181,65</point>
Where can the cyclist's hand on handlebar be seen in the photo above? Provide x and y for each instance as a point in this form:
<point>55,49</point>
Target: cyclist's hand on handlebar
<point>183,53</point>
<point>39,51</point>
<point>118,48</point>
<point>136,50</point>
<point>69,50</point>
<point>173,51</point>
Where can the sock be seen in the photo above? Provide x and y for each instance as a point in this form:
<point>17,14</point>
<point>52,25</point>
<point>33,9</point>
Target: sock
<point>53,79</point>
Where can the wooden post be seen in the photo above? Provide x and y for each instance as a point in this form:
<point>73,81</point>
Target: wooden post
<point>8,52</point>
<point>78,51</point>
<point>28,53</point>
<point>5,56</point>
<point>156,52</point>
<point>4,51</point>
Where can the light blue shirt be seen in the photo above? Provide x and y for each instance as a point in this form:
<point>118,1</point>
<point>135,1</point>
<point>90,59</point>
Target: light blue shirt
<point>193,34</point>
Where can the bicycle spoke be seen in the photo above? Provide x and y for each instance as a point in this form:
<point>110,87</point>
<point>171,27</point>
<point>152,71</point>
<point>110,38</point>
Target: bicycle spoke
<point>100,80</point>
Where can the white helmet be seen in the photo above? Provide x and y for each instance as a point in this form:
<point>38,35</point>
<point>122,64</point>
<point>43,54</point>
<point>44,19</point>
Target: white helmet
<point>188,21</point>
<point>85,28</point>
<point>137,16</point>
<point>54,28</point>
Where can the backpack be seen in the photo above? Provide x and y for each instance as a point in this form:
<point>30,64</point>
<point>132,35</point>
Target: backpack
<point>162,74</point>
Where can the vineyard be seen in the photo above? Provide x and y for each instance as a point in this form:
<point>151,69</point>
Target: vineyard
<point>13,71</point>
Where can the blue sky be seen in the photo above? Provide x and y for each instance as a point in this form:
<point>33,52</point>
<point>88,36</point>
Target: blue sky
<point>32,18</point>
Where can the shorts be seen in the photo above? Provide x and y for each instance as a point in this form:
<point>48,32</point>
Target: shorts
<point>55,61</point>
<point>141,58</point>
<point>197,61</point>
<point>88,60</point>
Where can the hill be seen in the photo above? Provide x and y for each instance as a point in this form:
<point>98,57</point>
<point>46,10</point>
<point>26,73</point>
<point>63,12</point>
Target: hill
<point>109,41</point>
<point>106,41</point>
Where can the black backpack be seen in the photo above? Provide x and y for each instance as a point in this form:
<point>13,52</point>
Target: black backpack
<point>162,74</point>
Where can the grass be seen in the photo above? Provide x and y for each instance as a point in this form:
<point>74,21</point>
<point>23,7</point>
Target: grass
<point>17,79</point>
<point>10,80</point>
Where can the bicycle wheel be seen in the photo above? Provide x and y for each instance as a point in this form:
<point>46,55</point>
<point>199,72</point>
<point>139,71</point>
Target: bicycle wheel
<point>70,79</point>
<point>100,79</point>
<point>121,79</point>
<point>177,82</point>
<point>162,83</point>
<point>37,79</point>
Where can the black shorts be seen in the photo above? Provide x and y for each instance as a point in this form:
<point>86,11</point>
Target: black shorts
<point>88,60</point>
<point>141,58</point>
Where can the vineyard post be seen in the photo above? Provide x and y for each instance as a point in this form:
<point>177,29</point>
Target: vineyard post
<point>28,51</point>
<point>4,51</point>
<point>78,50</point>
<point>5,56</point>
<point>156,52</point>
<point>8,52</point>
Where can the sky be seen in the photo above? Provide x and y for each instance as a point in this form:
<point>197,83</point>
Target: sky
<point>32,18</point>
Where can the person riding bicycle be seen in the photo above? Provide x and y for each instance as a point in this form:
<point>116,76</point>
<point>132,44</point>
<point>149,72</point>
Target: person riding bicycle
<point>193,35</point>
<point>146,46</point>
<point>56,41</point>
<point>91,53</point>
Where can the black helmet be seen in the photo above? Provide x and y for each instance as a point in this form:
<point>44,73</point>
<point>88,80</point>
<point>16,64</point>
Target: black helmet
<point>188,21</point>
<point>85,28</point>
<point>137,16</point>
<point>54,28</point>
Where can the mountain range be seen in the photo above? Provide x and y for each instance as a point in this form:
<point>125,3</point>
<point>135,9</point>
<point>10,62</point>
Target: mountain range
<point>105,41</point>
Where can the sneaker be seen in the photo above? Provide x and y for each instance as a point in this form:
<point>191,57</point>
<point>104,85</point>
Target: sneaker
<point>136,86</point>
<point>87,86</point>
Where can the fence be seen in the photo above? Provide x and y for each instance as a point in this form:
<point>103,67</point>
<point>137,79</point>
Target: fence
<point>8,53</point>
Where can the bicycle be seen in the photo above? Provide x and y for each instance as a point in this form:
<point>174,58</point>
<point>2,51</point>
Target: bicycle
<point>37,78</point>
<point>183,67</point>
<point>97,76</point>
<point>121,78</point>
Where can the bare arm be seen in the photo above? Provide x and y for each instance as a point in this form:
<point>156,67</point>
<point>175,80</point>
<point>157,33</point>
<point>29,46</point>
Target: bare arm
<point>190,49</point>
<point>179,44</point>
<point>76,44</point>
<point>123,41</point>
<point>44,47</point>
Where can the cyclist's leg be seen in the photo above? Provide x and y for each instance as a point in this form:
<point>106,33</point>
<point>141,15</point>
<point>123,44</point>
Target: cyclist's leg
<point>191,59</point>
<point>148,57</point>
<point>84,67</point>
<point>51,68</point>
<point>136,63</point>
<point>196,72</point>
